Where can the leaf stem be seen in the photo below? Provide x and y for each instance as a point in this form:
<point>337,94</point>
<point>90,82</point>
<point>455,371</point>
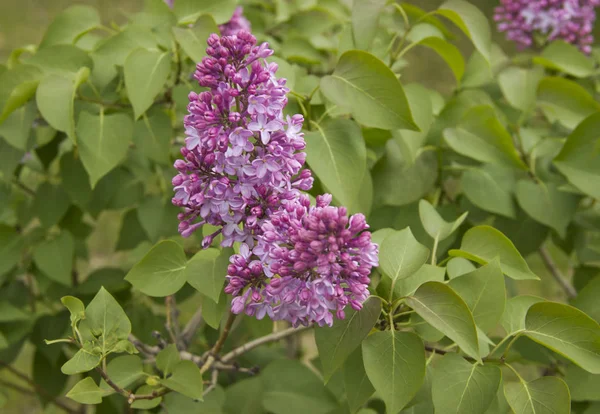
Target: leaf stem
<point>434,250</point>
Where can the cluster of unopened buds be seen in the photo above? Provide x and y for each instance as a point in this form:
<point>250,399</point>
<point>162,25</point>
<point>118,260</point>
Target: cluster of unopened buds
<point>569,20</point>
<point>242,172</point>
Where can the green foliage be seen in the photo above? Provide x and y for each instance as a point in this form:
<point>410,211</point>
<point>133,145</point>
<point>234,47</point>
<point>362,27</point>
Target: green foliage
<point>481,194</point>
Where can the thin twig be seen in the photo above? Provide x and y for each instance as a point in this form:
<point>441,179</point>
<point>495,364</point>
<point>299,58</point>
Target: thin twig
<point>556,274</point>
<point>130,395</point>
<point>23,187</point>
<point>213,382</point>
<point>191,328</point>
<point>172,324</point>
<point>261,341</point>
<point>36,388</point>
<point>219,344</point>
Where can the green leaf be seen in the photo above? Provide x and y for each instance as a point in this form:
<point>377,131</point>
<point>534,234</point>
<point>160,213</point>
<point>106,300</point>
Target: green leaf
<point>566,58</point>
<point>365,21</point>
<point>55,258</point>
<point>50,204</point>
<point>206,271</point>
<point>55,99</point>
<point>162,271</point>
<point>366,87</point>
<point>188,11</point>
<point>167,359</point>
<point>566,330</point>
<point>132,232</point>
<point>158,217</point>
<point>458,266</point>
<point>401,255</point>
<point>152,134</point>
<point>443,309</point>
<point>490,188</point>
<point>146,73</point>
<point>86,392</point>
<point>565,101</point>
<point>146,404</point>
<point>75,179</point>
<point>292,388</point>
<point>450,53</point>
<point>471,21</point>
<point>395,364</point>
<point>513,319</point>
<point>546,204</point>
<point>123,371</point>
<point>481,136</point>
<point>103,142</point>
<point>193,39</point>
<point>83,361</point>
<point>76,308</point>
<point>11,244</point>
<point>579,159</point>
<point>69,25</point>
<point>461,387</point>
<point>434,224</point>
<point>546,395</point>
<point>587,299</point>
<point>180,404</point>
<point>356,383</point>
<point>336,343</point>
<point>17,86</point>
<point>212,312</point>
<point>519,86</point>
<point>405,287</point>
<point>186,379</point>
<point>105,315</point>
<point>484,293</point>
<point>337,155</point>
<point>583,386</point>
<point>10,158</point>
<point>244,397</point>
<point>482,244</point>
<point>17,127</point>
<point>60,59</point>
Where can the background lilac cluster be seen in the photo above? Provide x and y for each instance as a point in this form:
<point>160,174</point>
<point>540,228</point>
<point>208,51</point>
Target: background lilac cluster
<point>242,172</point>
<point>569,20</point>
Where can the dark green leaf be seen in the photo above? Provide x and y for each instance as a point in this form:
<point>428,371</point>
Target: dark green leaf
<point>55,258</point>
<point>50,204</point>
<point>513,319</point>
<point>167,359</point>
<point>75,179</point>
<point>86,392</point>
<point>587,299</point>
<point>244,397</point>
<point>11,244</point>
<point>546,395</point>
<point>123,371</point>
<point>356,383</point>
<point>17,86</point>
<point>583,386</point>
<point>152,135</point>
<point>17,127</point>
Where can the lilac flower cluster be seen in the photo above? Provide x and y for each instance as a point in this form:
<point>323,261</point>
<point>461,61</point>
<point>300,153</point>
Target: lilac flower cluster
<point>569,20</point>
<point>242,171</point>
<point>237,23</point>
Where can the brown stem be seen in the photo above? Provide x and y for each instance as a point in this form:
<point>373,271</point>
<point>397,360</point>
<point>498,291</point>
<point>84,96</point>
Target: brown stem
<point>36,388</point>
<point>556,274</point>
<point>131,397</point>
<point>219,344</point>
<point>172,324</point>
<point>23,187</point>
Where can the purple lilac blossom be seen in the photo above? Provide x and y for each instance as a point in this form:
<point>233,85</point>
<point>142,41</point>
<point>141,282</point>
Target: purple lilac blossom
<point>310,262</point>
<point>242,157</point>
<point>235,24</point>
<point>569,20</point>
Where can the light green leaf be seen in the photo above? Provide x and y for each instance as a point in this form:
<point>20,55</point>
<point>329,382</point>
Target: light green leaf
<point>167,359</point>
<point>471,21</point>
<point>212,312</point>
<point>484,293</point>
<point>83,361</point>
<point>186,379</point>
<point>103,142</point>
<point>123,371</point>
<point>490,188</point>
<point>152,134</point>
<point>55,258</point>
<point>86,392</point>
<point>146,404</point>
<point>17,86</point>
<point>188,11</point>
<point>401,255</point>
<point>565,101</point>
<point>395,364</point>
<point>356,382</point>
<point>458,266</point>
<point>481,136</point>
<point>69,25</point>
<point>104,315</point>
<point>336,343</point>
<point>193,39</point>
<point>566,330</point>
<point>450,53</point>
<point>11,244</point>
<point>482,244</point>
<point>434,224</point>
<point>579,160</point>
<point>369,89</point>
<point>587,299</point>
<point>583,386</point>
<point>443,309</point>
<point>547,204</point>
<point>337,155</point>
<point>17,127</point>
<point>76,308</point>
<point>566,58</point>
<point>60,59</point>
<point>464,388</point>
<point>162,270</point>
<point>146,73</point>
<point>365,21</point>
<point>519,86</point>
<point>426,273</point>
<point>206,271</point>
<point>292,388</point>
<point>55,95</point>
<point>513,319</point>
<point>546,395</point>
